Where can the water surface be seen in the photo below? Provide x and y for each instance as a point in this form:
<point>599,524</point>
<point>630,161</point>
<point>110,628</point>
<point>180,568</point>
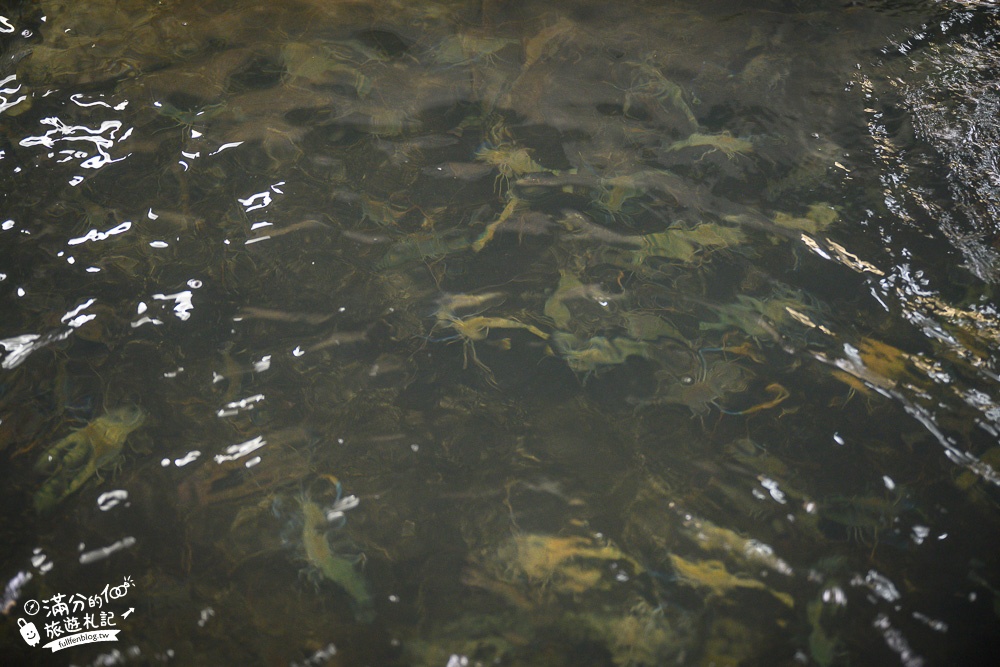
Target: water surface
<point>501,333</point>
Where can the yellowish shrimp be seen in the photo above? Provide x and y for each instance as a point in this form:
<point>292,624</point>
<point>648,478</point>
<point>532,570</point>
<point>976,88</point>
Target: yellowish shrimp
<point>725,142</point>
